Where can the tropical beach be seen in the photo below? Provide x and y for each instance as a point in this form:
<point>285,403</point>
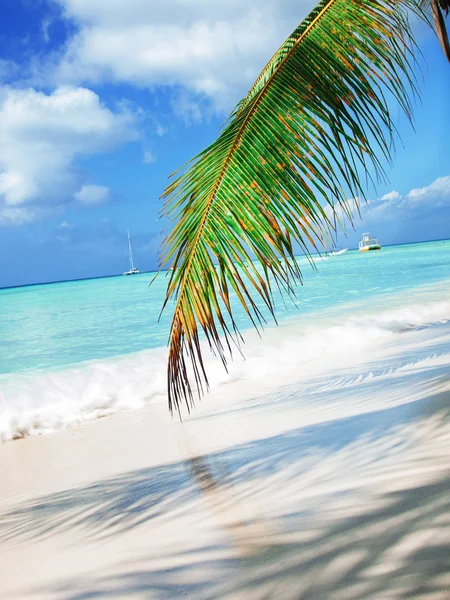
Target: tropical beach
<point>233,381</point>
<point>317,468</point>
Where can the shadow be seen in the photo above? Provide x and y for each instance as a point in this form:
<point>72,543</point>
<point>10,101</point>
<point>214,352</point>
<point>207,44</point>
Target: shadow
<point>113,505</point>
<point>415,364</point>
<point>401,550</point>
<point>122,503</point>
<point>294,527</point>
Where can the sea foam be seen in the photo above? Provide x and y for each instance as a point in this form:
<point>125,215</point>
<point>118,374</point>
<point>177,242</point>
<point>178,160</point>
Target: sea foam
<point>37,402</point>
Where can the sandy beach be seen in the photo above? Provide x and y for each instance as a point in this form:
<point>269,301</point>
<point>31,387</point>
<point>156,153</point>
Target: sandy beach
<point>328,483</point>
<point>224,300</point>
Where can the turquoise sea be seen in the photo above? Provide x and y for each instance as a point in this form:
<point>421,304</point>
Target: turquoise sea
<point>78,350</point>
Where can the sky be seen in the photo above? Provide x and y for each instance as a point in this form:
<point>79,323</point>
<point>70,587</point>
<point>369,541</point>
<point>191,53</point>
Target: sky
<point>100,100</point>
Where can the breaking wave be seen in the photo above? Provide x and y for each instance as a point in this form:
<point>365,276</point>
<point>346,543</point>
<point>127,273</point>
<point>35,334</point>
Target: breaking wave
<point>36,402</point>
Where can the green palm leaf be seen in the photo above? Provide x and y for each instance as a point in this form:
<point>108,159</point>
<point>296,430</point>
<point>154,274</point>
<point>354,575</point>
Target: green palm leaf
<point>308,134</point>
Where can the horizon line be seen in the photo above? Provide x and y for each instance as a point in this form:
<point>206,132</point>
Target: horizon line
<point>37,283</point>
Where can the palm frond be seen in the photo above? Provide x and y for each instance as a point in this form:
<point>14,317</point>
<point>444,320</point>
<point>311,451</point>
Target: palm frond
<point>437,8</point>
<point>439,24</point>
<point>308,135</point>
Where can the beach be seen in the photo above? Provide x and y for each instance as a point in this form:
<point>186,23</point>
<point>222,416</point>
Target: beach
<point>317,468</point>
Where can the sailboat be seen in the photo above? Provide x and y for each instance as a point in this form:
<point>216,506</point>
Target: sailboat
<point>132,270</point>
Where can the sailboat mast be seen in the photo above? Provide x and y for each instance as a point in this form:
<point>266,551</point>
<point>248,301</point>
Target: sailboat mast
<point>130,251</point>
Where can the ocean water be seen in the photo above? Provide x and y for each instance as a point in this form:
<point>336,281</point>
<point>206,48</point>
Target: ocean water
<point>76,351</point>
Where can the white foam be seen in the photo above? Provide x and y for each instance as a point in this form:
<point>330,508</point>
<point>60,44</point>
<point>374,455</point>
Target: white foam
<point>36,403</point>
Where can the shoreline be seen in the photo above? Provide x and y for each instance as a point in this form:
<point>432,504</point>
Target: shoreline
<point>43,402</point>
<point>331,484</point>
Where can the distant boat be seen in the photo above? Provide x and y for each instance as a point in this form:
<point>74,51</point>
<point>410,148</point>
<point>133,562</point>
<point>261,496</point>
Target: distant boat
<point>132,270</point>
<point>367,243</point>
<point>336,252</point>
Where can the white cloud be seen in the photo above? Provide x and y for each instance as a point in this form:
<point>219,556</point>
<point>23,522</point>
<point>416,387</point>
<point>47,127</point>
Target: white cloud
<point>341,211</point>
<point>438,192</point>
<point>41,137</point>
<point>187,107</point>
<point>45,27</point>
<point>7,69</point>
<point>160,130</point>
<point>392,196</point>
<point>65,225</point>
<point>93,194</point>
<point>19,215</point>
<point>214,49</point>
<point>416,204</point>
<point>148,158</point>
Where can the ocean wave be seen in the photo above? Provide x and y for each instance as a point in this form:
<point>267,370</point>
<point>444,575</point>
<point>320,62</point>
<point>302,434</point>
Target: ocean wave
<point>34,403</point>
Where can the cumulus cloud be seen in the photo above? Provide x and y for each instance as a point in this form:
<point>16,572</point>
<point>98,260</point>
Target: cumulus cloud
<point>93,194</point>
<point>41,137</point>
<point>437,193</point>
<point>214,49</point>
<point>391,196</point>
<point>417,204</point>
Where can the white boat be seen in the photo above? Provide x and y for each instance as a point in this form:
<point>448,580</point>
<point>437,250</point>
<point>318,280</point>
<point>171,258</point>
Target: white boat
<point>338,252</point>
<point>132,270</point>
<point>368,243</point>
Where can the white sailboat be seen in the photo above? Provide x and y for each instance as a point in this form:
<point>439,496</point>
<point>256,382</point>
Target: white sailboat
<point>132,270</point>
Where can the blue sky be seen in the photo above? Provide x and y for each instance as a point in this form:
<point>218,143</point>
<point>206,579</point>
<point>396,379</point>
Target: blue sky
<point>101,99</point>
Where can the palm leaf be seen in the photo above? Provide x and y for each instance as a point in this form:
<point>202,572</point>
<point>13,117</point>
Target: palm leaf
<point>309,134</point>
<point>437,7</point>
<point>439,24</point>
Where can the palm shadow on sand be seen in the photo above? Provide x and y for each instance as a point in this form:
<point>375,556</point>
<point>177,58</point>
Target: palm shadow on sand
<point>338,558</point>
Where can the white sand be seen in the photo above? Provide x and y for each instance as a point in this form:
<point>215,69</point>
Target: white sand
<point>327,484</point>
